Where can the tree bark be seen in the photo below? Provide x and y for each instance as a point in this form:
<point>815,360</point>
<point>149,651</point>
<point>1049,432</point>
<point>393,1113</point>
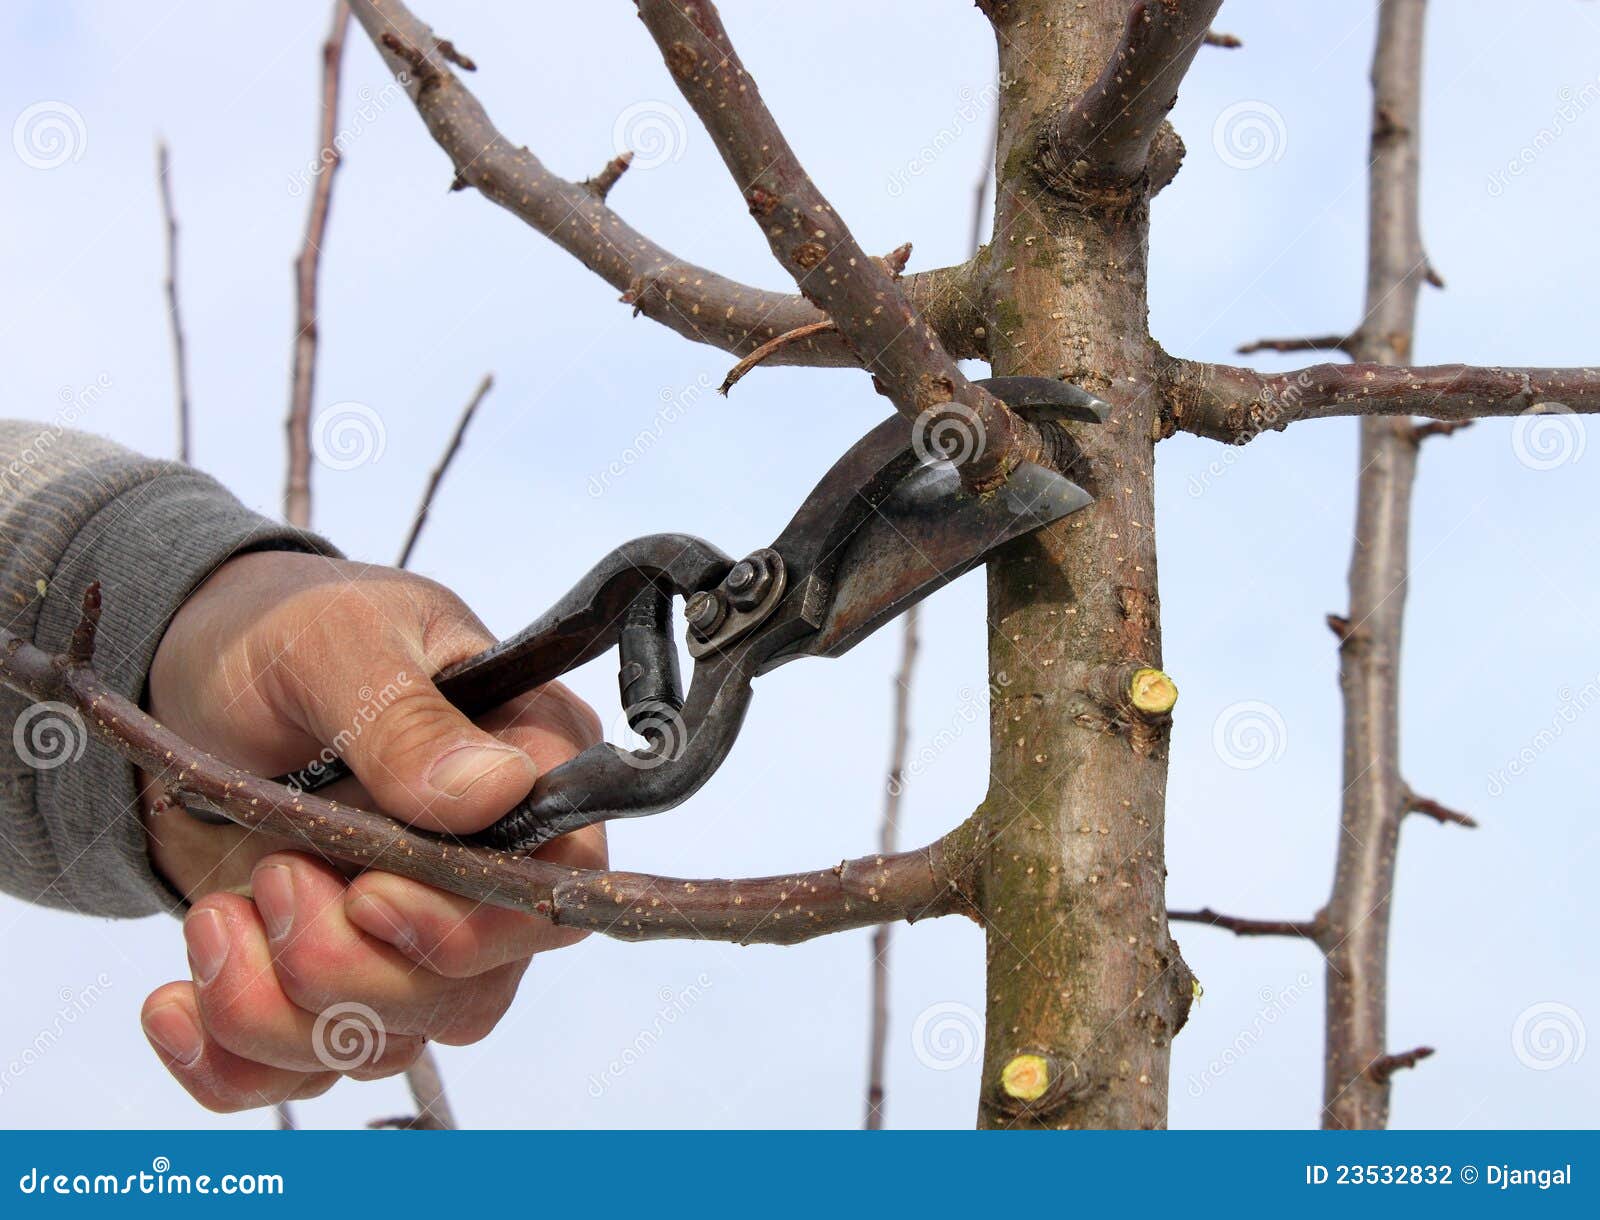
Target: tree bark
<point>1085,986</point>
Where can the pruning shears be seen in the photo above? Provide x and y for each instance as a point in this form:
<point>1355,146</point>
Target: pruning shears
<point>886,526</point>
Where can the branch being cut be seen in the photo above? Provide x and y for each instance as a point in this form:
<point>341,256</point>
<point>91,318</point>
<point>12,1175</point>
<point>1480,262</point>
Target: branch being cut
<point>302,376</point>
<point>781,910</point>
<point>811,241</point>
<point>1097,148</point>
<point>180,360</point>
<point>691,300</point>
<point>1234,404</point>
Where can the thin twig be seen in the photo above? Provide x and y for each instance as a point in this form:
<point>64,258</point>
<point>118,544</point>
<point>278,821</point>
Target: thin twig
<point>1385,1066</point>
<point>180,358</point>
<point>1229,42</point>
<point>888,843</point>
<point>771,346</point>
<point>1307,929</point>
<point>285,1116</point>
<point>302,377</point>
<point>439,470</point>
<point>1442,814</point>
<point>1315,343</point>
<point>600,185</point>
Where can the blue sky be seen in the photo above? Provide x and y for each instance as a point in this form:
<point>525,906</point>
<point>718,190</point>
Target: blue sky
<point>426,290</point>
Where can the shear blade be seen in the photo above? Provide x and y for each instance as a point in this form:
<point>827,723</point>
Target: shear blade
<point>928,532</point>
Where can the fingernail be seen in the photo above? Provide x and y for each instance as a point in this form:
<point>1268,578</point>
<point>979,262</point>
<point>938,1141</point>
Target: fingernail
<point>454,774</point>
<point>170,1028</point>
<point>273,889</point>
<point>378,917</point>
<point>207,939</point>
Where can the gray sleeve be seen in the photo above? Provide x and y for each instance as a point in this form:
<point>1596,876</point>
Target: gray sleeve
<point>76,508</point>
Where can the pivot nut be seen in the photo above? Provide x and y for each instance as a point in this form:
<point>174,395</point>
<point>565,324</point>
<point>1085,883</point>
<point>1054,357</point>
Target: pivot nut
<point>748,581</point>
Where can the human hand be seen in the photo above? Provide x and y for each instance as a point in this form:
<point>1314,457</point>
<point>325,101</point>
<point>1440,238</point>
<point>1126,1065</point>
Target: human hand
<point>314,975</point>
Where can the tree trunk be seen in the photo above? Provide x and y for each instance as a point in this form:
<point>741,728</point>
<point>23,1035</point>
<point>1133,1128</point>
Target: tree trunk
<point>1085,986</point>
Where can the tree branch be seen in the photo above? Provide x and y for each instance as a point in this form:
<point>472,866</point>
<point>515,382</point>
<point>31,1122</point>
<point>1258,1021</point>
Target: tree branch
<point>1248,927</point>
<point>878,1037</point>
<point>1097,148</point>
<point>302,376</point>
<point>180,359</point>
<point>443,465</point>
<point>1233,404</point>
<point>782,910</point>
<point>811,241</point>
<point>690,300</point>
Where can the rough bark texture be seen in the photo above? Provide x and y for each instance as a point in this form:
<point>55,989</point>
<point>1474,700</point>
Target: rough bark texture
<point>1355,922</point>
<point>1082,973</point>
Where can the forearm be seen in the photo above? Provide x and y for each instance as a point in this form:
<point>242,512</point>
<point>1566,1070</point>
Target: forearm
<point>76,508</point>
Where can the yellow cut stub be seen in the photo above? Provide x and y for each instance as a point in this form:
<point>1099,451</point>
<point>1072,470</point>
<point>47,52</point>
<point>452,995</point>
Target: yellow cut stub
<point>1026,1077</point>
<point>1152,691</point>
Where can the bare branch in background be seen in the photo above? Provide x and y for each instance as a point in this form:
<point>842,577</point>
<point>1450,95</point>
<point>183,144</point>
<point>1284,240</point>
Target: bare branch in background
<point>1353,927</point>
<point>1308,928</point>
<point>302,377</point>
<point>180,358</point>
<point>1316,343</point>
<point>811,241</point>
<point>1098,147</point>
<point>693,301</point>
<point>433,1112</point>
<point>1375,796</point>
<point>888,842</point>
<point>439,470</point>
<point>1229,42</point>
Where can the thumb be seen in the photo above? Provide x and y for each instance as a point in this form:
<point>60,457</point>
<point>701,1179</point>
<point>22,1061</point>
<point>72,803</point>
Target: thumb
<point>419,758</point>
